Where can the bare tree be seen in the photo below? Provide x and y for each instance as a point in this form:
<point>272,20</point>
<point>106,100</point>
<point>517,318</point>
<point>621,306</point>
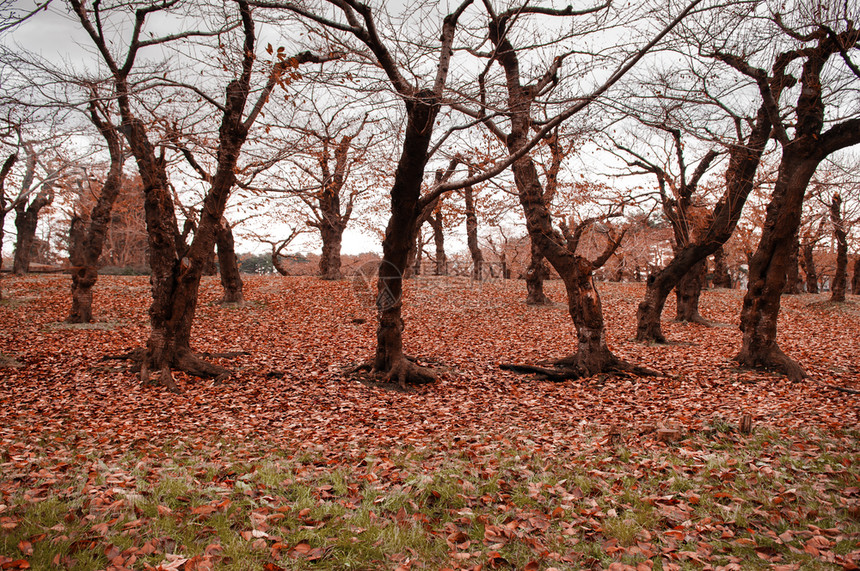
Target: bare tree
<point>176,265</point>
<point>87,238</point>
<point>805,143</point>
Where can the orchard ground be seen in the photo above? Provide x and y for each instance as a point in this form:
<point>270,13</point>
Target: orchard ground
<point>291,465</point>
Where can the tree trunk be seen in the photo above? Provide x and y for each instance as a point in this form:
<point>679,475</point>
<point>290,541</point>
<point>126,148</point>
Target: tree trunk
<point>86,241</point>
<point>26,220</point>
<point>740,178</point>
<point>437,223</point>
<point>332,236</point>
<point>536,273</point>
<point>4,172</point>
<point>792,274</point>
<point>687,293</point>
<point>809,267</point>
<point>472,234</point>
<point>855,278</point>
<point>278,262</point>
<point>722,278</point>
<point>840,278</point>
<point>389,361</point>
<point>231,280</point>
<point>768,267</point>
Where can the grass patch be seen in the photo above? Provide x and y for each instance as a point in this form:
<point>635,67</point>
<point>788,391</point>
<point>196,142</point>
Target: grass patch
<point>757,503</point>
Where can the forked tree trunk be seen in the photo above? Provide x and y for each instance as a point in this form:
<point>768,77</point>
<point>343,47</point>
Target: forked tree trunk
<point>809,267</point>
<point>840,277</point>
<point>722,278</point>
<point>86,241</point>
<point>231,279</point>
<point>792,272</point>
<point>26,220</point>
<point>472,234</point>
<point>687,294</point>
<point>536,273</point>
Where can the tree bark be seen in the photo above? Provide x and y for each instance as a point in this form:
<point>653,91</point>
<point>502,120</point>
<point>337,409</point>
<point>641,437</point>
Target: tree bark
<point>801,156</point>
<point>472,234</point>
<point>536,273</point>
<point>26,220</point>
<point>389,361</point>
<point>840,277</point>
<point>792,273</point>
<point>722,278</point>
<point>437,223</point>
<point>687,294</point>
<point>330,263</point>
<point>4,172</point>
<point>231,280</point>
<point>744,159</point>
<point>86,241</point>
<point>855,278</point>
<point>809,267</point>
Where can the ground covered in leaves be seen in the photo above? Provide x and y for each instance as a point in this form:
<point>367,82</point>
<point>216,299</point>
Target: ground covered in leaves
<point>291,465</point>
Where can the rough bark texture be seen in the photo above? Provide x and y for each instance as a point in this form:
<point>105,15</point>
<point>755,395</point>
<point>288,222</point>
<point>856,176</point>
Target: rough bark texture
<point>472,234</point>
<point>86,240</point>
<point>228,263</point>
<point>792,272</point>
<point>176,267</point>
<point>536,273</point>
<point>808,263</point>
<point>801,155</point>
<point>437,222</point>
<point>592,354</point>
<point>722,278</point>
<point>331,220</point>
<point>840,277</point>
<point>687,294</point>
<point>744,159</point>
<point>26,220</point>
<point>389,361</point>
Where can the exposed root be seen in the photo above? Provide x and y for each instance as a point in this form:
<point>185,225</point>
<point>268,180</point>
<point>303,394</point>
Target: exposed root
<point>838,388</point>
<point>773,360</point>
<point>186,361</point>
<point>571,367</point>
<point>404,371</point>
<point>698,320</point>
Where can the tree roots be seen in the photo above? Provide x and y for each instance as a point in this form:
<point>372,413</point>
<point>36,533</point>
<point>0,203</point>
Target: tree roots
<point>184,361</point>
<point>772,359</point>
<point>572,367</point>
<point>403,371</point>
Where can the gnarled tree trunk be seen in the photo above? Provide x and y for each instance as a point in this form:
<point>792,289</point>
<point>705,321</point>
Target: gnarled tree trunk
<point>687,294</point>
<point>86,241</point>
<point>330,264</point>
<point>26,220</point>
<point>722,278</point>
<point>536,273</point>
<point>231,280</point>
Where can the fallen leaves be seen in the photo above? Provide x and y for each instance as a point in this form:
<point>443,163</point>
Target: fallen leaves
<point>483,468</point>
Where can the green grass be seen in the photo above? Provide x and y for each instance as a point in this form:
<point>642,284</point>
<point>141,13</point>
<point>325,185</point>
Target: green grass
<point>740,498</point>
